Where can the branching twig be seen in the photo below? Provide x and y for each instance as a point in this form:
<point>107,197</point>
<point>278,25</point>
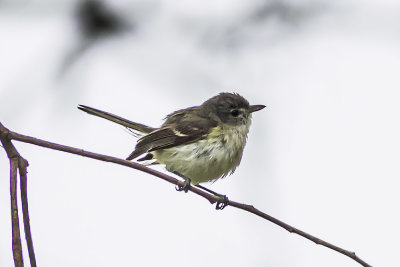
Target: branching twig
<point>16,236</point>
<point>210,197</point>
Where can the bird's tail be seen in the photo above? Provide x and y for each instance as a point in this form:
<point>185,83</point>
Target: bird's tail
<point>114,118</point>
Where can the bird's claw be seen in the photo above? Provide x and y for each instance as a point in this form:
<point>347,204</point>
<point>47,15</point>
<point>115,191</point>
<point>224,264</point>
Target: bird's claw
<point>185,187</point>
<point>221,204</point>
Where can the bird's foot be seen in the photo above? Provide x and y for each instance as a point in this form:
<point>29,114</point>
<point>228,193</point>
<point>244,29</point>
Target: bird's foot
<point>185,187</point>
<point>221,204</point>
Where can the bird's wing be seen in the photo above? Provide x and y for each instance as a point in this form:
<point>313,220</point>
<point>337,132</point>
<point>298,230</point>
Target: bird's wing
<point>170,135</point>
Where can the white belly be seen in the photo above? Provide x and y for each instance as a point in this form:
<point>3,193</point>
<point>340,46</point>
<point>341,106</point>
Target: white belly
<point>205,160</point>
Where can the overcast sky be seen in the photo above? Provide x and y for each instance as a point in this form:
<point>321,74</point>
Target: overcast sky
<point>323,156</point>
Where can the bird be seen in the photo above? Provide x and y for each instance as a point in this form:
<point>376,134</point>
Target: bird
<point>200,143</point>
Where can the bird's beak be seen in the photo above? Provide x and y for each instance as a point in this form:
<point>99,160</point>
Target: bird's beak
<point>254,108</point>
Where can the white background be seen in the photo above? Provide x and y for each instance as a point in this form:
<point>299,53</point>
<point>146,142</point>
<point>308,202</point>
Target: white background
<point>323,156</point>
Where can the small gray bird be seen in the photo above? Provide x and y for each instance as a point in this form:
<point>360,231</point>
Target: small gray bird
<point>201,143</point>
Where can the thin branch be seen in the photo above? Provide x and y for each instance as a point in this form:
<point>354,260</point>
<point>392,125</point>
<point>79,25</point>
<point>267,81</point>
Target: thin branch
<point>16,236</point>
<point>134,165</point>
<point>20,163</point>
<point>210,197</point>
<point>22,166</point>
<point>292,229</point>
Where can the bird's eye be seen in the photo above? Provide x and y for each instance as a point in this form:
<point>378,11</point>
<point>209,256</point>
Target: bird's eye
<point>235,113</point>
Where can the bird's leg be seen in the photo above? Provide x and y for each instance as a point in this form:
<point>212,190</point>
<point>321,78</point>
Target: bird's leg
<point>186,184</point>
<point>220,204</point>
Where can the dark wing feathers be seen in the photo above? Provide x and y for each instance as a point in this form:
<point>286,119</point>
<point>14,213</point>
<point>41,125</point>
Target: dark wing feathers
<point>160,139</point>
<point>183,130</point>
<point>157,139</point>
<point>181,127</point>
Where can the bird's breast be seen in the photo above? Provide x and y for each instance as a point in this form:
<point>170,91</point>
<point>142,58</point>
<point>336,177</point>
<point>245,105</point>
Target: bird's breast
<point>207,159</point>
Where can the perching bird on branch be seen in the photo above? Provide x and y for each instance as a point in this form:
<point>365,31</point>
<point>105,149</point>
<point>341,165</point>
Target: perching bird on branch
<point>200,144</point>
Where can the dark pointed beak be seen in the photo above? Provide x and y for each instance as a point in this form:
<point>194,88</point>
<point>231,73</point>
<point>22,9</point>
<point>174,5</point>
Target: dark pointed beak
<point>254,108</point>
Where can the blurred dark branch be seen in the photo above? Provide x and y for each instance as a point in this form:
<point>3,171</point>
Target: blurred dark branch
<point>95,20</point>
<point>285,11</point>
<point>210,197</point>
<point>264,21</point>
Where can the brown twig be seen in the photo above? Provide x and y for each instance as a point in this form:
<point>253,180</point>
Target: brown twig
<point>16,236</point>
<point>134,165</point>
<point>22,166</point>
<point>292,229</point>
<point>210,197</point>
